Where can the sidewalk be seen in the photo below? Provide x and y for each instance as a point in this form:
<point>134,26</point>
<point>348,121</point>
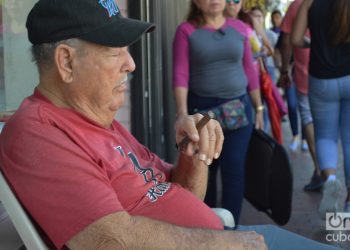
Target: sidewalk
<point>305,219</point>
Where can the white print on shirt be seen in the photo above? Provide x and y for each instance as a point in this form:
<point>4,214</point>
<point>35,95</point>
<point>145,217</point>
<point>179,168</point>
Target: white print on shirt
<point>121,151</point>
<point>159,188</point>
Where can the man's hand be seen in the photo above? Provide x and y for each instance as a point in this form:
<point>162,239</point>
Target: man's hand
<point>205,144</point>
<point>248,240</point>
<point>284,80</point>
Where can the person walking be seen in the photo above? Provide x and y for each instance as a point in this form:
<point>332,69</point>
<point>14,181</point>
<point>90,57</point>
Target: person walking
<point>329,90</point>
<point>300,79</point>
<point>276,20</point>
<point>213,65</point>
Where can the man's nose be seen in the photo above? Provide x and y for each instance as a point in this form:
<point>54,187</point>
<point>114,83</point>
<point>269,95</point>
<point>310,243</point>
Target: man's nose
<point>129,65</point>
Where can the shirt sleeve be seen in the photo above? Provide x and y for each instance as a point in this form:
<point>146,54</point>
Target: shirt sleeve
<point>69,194</point>
<point>287,23</point>
<point>181,57</point>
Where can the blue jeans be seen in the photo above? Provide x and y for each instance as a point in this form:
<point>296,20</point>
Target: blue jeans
<point>292,103</point>
<point>330,107</point>
<point>232,159</point>
<point>277,238</point>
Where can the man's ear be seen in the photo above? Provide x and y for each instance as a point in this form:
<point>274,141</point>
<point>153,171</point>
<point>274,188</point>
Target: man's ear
<point>64,55</point>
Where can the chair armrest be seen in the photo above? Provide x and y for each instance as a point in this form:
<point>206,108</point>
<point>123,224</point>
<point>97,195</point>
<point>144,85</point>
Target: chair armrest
<point>225,216</point>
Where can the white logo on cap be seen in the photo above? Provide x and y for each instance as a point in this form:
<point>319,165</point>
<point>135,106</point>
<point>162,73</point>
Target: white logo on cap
<point>111,6</point>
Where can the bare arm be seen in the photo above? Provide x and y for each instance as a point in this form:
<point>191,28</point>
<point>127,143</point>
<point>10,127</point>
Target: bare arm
<point>286,52</point>
<point>259,29</point>
<point>181,100</point>
<point>300,24</point>
<point>122,231</point>
<point>191,174</point>
<point>255,96</point>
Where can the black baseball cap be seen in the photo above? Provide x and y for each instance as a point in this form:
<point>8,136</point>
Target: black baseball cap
<point>96,21</point>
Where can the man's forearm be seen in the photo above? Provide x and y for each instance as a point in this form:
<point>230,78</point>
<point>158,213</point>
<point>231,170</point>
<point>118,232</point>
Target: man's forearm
<point>192,174</point>
<point>286,52</point>
<point>121,231</point>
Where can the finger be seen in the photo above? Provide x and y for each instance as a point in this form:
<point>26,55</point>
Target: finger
<point>203,145</point>
<point>201,121</point>
<point>259,242</point>
<point>212,142</point>
<point>190,149</point>
<point>253,240</point>
<point>189,127</point>
<point>186,132</point>
<point>219,140</point>
<point>184,143</point>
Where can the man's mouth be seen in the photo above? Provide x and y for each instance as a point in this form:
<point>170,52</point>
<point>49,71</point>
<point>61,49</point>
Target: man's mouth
<point>122,81</point>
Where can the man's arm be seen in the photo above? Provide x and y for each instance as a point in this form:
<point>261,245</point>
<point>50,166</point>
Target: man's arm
<point>286,54</point>
<point>122,231</point>
<point>259,29</point>
<point>191,174</point>
<point>300,25</point>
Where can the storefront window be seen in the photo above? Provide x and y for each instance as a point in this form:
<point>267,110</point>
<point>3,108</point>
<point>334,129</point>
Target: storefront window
<point>18,74</point>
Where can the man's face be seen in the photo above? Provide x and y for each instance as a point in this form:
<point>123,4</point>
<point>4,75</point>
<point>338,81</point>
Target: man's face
<point>99,80</point>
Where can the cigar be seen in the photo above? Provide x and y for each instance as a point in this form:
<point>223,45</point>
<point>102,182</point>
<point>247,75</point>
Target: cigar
<point>202,122</point>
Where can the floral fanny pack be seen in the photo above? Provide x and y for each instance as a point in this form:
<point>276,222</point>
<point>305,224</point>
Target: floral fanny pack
<point>231,115</point>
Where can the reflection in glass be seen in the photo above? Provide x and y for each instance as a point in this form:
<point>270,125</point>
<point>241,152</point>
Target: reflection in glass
<point>18,73</point>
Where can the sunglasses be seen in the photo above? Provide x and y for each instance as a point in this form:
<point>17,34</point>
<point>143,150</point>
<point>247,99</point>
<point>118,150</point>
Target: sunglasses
<point>235,1</point>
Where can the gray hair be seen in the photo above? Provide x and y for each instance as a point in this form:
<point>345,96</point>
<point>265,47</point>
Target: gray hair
<point>43,54</point>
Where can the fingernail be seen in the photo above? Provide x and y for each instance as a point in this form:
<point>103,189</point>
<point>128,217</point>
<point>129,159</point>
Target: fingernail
<point>216,156</point>
<point>202,157</point>
<point>209,161</point>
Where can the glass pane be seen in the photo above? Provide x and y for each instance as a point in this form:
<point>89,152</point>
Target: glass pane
<point>18,74</point>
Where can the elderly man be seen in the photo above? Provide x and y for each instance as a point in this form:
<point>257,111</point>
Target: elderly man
<point>83,178</point>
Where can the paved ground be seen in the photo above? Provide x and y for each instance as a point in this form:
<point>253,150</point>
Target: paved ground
<point>305,219</point>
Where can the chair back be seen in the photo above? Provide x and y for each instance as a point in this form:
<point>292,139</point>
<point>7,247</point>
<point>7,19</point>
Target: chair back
<point>19,218</point>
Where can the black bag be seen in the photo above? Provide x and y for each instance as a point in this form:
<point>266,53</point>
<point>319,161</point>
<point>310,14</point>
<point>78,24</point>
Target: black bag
<point>268,177</point>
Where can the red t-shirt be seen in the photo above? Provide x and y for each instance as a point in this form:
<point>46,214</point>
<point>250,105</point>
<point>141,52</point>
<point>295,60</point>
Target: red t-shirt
<point>68,172</point>
<point>301,55</point>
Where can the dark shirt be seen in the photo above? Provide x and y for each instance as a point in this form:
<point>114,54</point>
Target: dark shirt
<point>326,61</point>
